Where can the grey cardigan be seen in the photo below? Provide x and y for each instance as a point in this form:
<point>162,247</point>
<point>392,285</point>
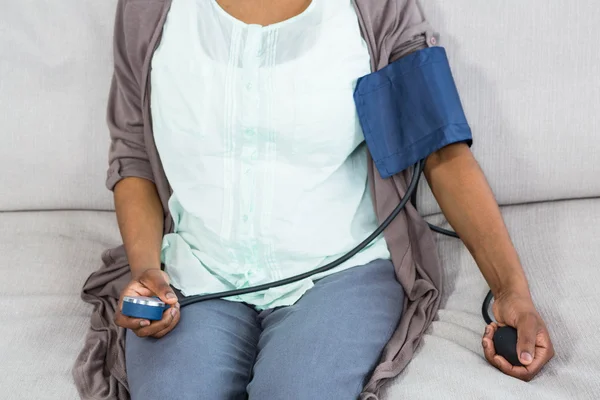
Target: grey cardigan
<point>391,29</point>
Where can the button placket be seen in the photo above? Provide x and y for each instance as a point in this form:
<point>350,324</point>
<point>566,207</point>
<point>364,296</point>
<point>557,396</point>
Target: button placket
<point>249,122</point>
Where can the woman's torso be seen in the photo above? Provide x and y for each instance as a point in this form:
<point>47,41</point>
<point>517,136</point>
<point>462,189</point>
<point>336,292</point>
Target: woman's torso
<point>257,132</point>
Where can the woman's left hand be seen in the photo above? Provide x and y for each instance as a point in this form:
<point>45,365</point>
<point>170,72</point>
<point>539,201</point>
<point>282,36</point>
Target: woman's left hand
<point>534,346</point>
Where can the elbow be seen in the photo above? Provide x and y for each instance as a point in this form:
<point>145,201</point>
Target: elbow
<point>122,168</point>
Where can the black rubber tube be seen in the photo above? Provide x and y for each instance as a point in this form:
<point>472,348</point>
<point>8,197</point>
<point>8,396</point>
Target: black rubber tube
<point>417,170</point>
<point>410,192</point>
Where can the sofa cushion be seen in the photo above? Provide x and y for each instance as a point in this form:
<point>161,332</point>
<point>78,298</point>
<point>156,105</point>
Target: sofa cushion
<point>55,68</point>
<point>559,245</point>
<point>527,72</point>
<point>46,257</point>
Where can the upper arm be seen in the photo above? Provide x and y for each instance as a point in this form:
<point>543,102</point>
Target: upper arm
<point>446,155</point>
<point>413,31</point>
<point>127,153</point>
<point>410,108</point>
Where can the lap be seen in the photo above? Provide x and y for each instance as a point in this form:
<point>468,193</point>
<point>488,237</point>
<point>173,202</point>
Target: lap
<point>327,344</point>
<point>209,354</point>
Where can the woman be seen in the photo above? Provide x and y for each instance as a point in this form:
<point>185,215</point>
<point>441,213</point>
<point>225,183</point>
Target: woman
<point>255,125</point>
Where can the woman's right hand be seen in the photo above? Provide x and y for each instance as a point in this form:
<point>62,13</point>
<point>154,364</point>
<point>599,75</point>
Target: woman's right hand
<point>151,282</point>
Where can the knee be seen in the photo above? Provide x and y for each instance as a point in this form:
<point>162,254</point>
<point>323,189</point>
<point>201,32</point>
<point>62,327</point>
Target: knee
<point>150,390</point>
<point>172,386</point>
<point>282,383</point>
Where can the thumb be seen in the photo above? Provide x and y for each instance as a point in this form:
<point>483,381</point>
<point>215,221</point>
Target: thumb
<point>526,337</point>
<point>158,282</point>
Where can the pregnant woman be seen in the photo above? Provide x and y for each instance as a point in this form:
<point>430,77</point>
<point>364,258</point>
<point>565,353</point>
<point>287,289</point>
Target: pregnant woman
<point>237,159</point>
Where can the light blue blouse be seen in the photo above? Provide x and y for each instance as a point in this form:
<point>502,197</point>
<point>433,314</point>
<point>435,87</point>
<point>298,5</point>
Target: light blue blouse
<point>259,138</point>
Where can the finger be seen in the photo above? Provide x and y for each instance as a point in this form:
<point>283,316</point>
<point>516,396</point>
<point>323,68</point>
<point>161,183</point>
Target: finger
<point>137,289</point>
<point>527,329</point>
<point>489,350</point>
<point>157,326</point>
<point>169,328</point>
<point>134,289</point>
<point>130,323</point>
<point>543,353</point>
<point>543,341</point>
<point>490,330</point>
<point>519,372</point>
<point>158,282</point>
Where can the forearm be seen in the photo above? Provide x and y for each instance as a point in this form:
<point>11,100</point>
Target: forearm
<point>468,203</point>
<point>140,218</point>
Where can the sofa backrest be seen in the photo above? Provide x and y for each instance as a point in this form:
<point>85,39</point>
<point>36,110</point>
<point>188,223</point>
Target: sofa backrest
<point>529,77</point>
<point>528,73</point>
<point>55,69</point>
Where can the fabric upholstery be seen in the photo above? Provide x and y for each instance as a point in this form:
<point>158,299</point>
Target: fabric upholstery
<point>527,73</point>
<point>559,245</point>
<point>55,68</point>
<point>47,255</point>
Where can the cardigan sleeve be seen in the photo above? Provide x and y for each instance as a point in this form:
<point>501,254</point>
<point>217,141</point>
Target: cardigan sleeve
<point>127,154</point>
<point>412,31</point>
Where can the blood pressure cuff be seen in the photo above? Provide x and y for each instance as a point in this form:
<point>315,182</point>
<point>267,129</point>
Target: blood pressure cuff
<point>410,109</point>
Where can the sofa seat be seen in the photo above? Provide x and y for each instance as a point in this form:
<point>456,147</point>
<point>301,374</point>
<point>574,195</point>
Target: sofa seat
<point>559,245</point>
<point>48,255</point>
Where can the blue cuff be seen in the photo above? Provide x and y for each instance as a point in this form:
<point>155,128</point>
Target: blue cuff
<point>410,109</point>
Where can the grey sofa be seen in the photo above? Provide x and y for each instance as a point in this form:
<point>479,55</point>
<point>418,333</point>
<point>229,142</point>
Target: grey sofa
<point>529,75</point>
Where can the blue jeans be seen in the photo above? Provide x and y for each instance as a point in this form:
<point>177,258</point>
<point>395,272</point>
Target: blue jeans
<point>323,347</point>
